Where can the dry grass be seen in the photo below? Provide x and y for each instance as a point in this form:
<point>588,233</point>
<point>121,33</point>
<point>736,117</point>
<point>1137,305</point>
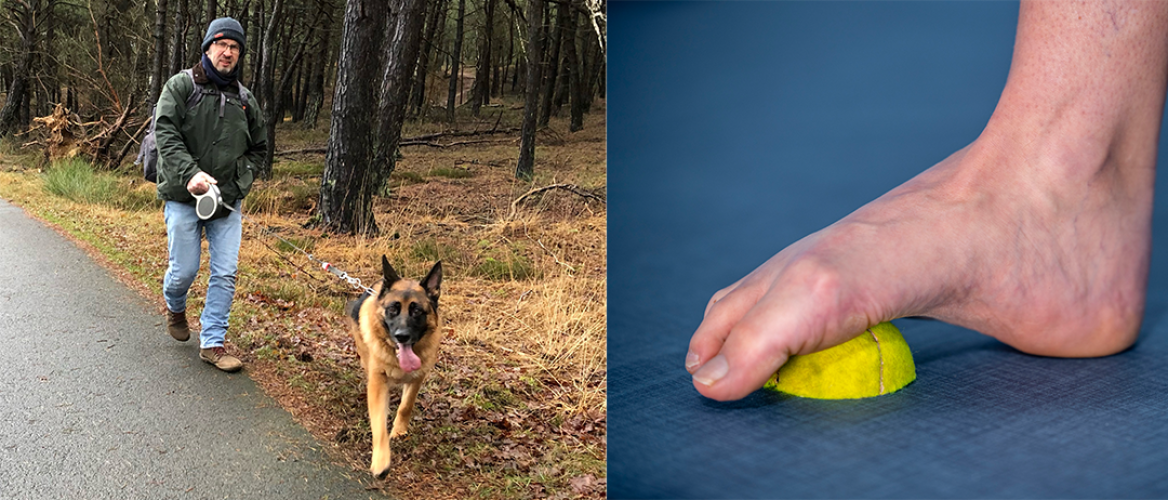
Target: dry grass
<point>516,406</point>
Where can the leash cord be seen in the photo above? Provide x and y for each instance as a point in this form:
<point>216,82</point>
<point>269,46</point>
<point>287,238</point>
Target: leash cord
<point>351,280</point>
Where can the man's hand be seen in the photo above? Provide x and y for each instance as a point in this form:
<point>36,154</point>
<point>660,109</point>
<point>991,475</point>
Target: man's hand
<point>200,183</point>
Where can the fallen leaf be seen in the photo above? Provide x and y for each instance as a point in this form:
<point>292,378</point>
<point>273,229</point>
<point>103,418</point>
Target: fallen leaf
<point>583,484</point>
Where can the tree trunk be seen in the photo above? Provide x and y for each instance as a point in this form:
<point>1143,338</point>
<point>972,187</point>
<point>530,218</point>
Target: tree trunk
<point>575,66</point>
<point>14,115</point>
<point>314,95</point>
<point>297,89</point>
<point>594,69</point>
<point>284,89</point>
<point>25,106</point>
<point>506,63</point>
<point>520,68</point>
<point>316,87</point>
<point>497,72</point>
<point>300,88</point>
<point>602,76</point>
<point>142,64</point>
<point>349,181</point>
<point>278,54</point>
<point>157,77</point>
<point>552,63</point>
<point>418,94</point>
<point>285,45</point>
<point>178,44</point>
<point>46,65</point>
<point>434,60</point>
<point>481,92</point>
<point>240,14</point>
<point>303,75</point>
<point>211,13</point>
<point>195,32</point>
<point>257,38</point>
<point>269,101</point>
<point>402,54</point>
<point>455,71</point>
<point>461,86</point>
<point>525,168</point>
<point>564,17</point>
<point>438,57</point>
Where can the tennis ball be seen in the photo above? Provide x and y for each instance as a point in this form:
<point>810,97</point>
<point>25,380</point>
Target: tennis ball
<point>876,362</point>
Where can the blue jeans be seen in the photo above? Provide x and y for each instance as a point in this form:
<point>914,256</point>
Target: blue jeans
<point>184,233</point>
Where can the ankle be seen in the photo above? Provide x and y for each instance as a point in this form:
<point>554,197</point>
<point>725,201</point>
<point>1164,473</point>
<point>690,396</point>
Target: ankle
<point>1062,158</point>
<point>1076,134</point>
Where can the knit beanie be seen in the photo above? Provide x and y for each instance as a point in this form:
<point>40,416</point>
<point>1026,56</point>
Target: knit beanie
<point>225,27</point>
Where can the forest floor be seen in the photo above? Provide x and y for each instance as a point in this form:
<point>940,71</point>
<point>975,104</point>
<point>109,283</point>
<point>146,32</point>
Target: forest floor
<point>516,405</point>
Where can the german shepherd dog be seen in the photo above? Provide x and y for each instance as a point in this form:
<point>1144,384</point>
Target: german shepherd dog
<point>397,332</point>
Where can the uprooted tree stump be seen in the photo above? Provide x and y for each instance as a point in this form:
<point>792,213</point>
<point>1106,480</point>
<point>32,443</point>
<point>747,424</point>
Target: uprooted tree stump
<point>57,134</point>
<point>62,135</point>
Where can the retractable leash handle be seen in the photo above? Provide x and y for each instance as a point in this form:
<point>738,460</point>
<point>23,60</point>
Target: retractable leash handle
<point>207,204</point>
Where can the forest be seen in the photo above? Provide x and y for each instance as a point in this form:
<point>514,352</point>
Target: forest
<point>105,62</point>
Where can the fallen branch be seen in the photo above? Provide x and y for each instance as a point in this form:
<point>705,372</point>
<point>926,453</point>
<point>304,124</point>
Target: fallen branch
<point>465,133</point>
<point>106,138</point>
<point>130,143</point>
<point>421,140</point>
<point>571,188</point>
<point>437,145</point>
<point>302,151</point>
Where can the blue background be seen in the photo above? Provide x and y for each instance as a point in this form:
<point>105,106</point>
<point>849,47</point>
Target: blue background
<point>737,128</point>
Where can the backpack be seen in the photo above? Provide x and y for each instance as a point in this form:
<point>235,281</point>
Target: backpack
<point>148,150</point>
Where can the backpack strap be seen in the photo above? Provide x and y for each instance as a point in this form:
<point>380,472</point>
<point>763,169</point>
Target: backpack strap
<point>242,93</point>
<point>198,91</point>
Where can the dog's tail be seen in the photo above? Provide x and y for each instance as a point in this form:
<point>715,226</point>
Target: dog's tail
<point>354,307</point>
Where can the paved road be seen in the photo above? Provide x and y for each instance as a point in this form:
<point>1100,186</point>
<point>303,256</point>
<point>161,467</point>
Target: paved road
<point>97,402</point>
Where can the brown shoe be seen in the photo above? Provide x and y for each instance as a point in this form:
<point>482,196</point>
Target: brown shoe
<point>176,325</point>
<point>218,356</point>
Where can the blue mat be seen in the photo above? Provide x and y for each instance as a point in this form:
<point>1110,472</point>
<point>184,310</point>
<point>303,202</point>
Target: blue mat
<point>737,128</point>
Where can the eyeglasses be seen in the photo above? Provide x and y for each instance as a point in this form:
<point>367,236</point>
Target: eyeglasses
<point>227,46</point>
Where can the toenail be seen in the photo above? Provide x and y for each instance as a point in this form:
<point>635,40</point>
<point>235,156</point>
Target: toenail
<point>713,371</point>
<point>691,361</point>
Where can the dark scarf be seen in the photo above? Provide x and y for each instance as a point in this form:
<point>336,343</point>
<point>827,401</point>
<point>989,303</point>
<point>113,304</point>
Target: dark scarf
<point>214,76</point>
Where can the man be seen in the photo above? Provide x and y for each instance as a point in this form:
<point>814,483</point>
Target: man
<point>221,139</point>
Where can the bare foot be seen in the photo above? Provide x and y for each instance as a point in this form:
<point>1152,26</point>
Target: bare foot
<point>1038,233</point>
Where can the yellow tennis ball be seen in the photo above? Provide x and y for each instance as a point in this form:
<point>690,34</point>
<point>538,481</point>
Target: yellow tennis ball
<point>876,362</point>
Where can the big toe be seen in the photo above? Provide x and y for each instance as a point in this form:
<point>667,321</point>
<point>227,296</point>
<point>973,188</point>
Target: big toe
<point>809,307</point>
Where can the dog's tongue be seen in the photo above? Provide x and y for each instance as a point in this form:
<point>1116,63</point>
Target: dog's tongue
<point>406,359</point>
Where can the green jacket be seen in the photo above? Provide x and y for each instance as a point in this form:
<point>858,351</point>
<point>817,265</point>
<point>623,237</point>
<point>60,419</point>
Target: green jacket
<point>229,148</point>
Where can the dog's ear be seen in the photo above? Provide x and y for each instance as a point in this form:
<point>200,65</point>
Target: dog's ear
<point>433,282</point>
<point>389,275</point>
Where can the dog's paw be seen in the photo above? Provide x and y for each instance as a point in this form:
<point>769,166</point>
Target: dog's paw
<point>398,433</point>
<point>380,465</point>
<point>380,475</point>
